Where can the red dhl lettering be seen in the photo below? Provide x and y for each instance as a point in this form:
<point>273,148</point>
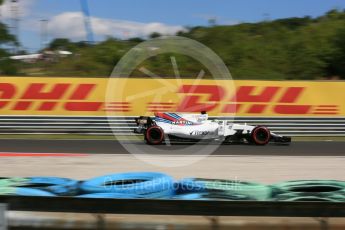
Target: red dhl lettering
<point>44,97</point>
<point>246,101</point>
<point>191,103</point>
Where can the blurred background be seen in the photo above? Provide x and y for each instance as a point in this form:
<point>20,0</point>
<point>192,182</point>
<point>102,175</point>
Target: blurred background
<point>265,39</point>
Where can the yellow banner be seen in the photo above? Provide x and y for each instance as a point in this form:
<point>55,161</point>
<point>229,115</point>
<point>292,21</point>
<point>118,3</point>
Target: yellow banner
<point>132,97</point>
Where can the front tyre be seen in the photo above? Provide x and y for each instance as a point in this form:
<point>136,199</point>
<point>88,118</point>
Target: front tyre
<point>154,135</point>
<point>260,135</point>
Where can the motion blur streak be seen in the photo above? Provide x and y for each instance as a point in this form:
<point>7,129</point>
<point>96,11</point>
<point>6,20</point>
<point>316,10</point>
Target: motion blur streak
<point>16,154</point>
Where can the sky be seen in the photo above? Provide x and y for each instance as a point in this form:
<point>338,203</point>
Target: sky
<point>139,18</point>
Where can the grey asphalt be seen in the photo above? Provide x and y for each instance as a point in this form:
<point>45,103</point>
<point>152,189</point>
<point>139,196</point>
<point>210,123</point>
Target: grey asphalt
<point>300,148</point>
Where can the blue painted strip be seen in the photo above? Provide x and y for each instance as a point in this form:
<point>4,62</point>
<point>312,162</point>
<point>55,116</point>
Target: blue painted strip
<point>174,115</point>
<point>169,114</point>
<point>178,116</point>
<point>163,120</point>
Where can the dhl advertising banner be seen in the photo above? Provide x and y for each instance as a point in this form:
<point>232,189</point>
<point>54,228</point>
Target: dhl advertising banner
<point>131,97</point>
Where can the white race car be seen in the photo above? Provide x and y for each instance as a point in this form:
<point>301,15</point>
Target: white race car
<point>194,127</point>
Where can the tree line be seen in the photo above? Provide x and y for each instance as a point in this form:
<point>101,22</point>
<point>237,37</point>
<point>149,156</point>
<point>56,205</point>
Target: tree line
<point>292,48</point>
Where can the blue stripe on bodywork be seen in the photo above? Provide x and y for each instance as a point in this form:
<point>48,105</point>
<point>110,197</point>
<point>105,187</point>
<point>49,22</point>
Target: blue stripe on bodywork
<point>159,119</point>
<point>175,115</point>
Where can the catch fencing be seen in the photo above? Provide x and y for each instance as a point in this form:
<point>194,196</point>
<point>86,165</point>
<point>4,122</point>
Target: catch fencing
<point>119,125</point>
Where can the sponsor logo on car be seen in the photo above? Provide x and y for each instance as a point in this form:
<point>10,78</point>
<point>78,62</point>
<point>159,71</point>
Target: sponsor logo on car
<point>200,133</point>
<point>182,122</point>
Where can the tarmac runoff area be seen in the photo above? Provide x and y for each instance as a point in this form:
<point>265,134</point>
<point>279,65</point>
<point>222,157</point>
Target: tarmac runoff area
<point>83,159</point>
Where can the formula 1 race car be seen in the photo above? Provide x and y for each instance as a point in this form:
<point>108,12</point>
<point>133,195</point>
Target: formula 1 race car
<point>196,127</point>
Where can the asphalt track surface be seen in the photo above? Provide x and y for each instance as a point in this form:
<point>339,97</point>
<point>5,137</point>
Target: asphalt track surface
<point>300,148</point>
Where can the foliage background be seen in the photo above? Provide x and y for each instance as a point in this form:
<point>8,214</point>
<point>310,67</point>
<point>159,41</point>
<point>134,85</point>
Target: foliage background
<point>293,48</point>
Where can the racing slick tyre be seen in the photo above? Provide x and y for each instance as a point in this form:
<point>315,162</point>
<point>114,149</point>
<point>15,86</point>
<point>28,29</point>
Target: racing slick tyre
<point>260,135</point>
<point>154,135</point>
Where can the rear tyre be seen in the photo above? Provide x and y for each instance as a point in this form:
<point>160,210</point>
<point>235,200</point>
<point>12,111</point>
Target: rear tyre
<point>154,135</point>
<point>260,135</point>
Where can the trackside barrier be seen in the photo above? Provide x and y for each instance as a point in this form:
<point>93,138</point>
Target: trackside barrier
<point>93,125</point>
<point>316,190</point>
<point>211,208</point>
<point>174,207</point>
<point>39,186</point>
<point>223,189</point>
<point>133,185</point>
<point>148,185</point>
<point>132,193</point>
